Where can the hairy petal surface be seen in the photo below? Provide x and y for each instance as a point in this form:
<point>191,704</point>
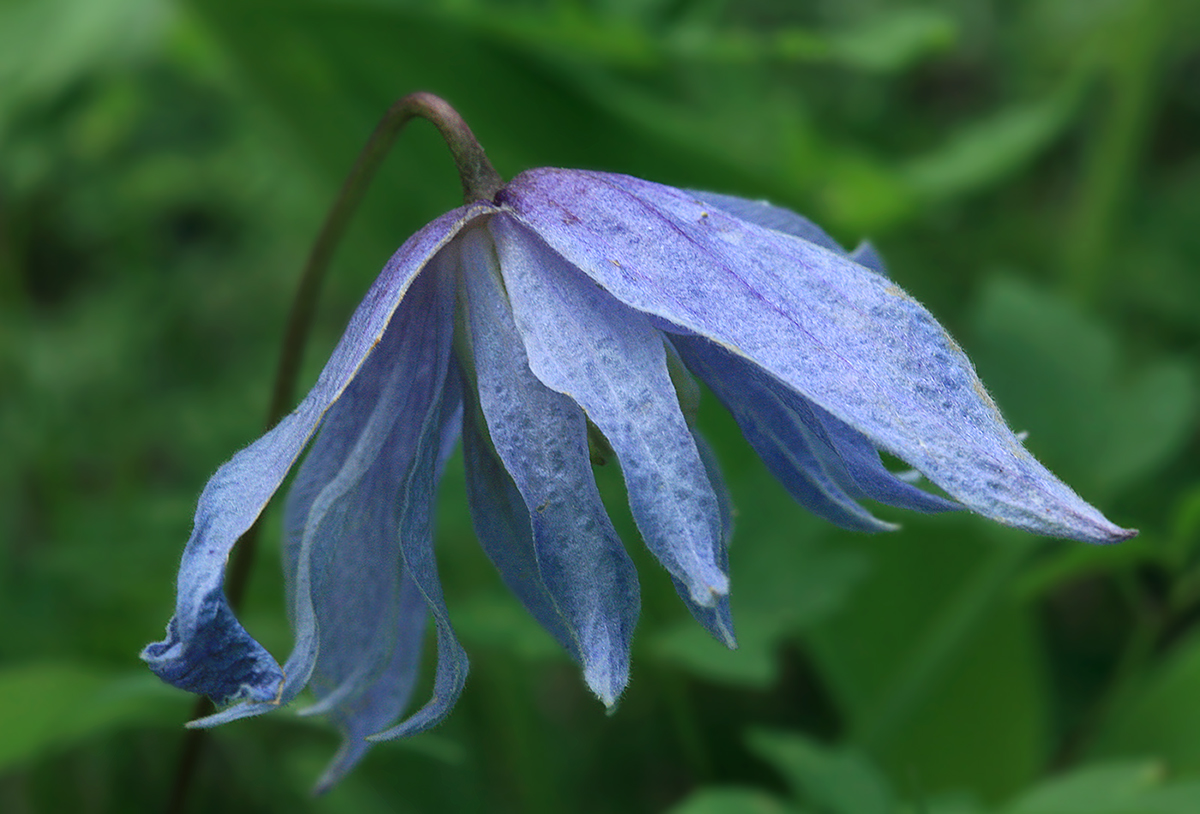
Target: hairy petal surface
<point>717,619</point>
<point>611,362</point>
<point>860,459</point>
<point>417,493</point>
<point>838,333</point>
<point>790,442</point>
<point>358,617</point>
<point>540,435</point>
<point>207,650</point>
<point>825,464</point>
<point>769,216</point>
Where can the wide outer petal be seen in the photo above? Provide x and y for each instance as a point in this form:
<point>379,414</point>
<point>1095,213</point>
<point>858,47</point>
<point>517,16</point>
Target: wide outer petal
<point>770,216</point>
<point>611,362</point>
<point>859,457</point>
<point>541,437</point>
<point>206,649</point>
<point>843,336</point>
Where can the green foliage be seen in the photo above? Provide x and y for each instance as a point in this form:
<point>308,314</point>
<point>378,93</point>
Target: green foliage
<point>1028,170</point>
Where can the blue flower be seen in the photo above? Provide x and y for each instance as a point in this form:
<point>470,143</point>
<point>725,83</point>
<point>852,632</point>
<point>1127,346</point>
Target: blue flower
<point>577,302</point>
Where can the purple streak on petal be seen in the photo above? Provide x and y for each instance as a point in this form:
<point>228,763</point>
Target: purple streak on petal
<point>541,437</point>
<point>769,216</point>
<point>611,362</point>
<point>239,490</point>
<point>860,459</point>
<point>841,335</point>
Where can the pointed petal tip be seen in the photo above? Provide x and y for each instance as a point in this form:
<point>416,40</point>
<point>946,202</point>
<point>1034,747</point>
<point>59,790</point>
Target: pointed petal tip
<point>1115,534</point>
<point>1090,526</point>
<point>607,682</point>
<point>708,592</point>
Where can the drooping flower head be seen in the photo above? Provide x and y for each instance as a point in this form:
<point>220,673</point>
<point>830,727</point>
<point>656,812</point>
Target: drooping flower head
<point>571,302</point>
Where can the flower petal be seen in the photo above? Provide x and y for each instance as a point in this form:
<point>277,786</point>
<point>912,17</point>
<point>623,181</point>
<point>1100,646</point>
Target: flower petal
<point>839,334</point>
<point>611,362</point>
<point>825,464</point>
<point>788,438</point>
<point>359,618</point>
<point>869,477</point>
<point>717,618</point>
<point>865,255</point>
<point>769,216</point>
<point>541,437</point>
<point>417,494</point>
<point>206,649</point>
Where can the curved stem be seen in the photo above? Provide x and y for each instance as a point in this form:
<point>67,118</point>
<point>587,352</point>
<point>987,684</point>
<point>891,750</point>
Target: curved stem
<point>480,181</point>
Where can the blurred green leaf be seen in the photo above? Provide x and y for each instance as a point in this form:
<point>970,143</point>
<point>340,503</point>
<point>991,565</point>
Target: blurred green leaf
<point>837,781</point>
<point>894,40</point>
<point>1121,788</point>
<point>981,153</point>
<point>51,706</point>
<point>46,44</point>
<point>730,801</point>
<point>1160,717</point>
<point>934,646</point>
<point>1059,375</point>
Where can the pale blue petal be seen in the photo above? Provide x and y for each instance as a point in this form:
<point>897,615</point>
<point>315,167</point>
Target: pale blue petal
<point>541,437</point>
<point>364,704</point>
<point>611,362</point>
<point>206,649</point>
<point>770,216</point>
<point>417,494</point>
<point>342,559</point>
<point>790,441</point>
<point>841,335</point>
<point>359,619</point>
<point>717,619</point>
<point>825,464</point>
<point>866,255</point>
<point>870,478</point>
<point>501,522</point>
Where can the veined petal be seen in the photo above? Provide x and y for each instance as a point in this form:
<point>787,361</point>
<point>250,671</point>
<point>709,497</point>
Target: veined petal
<point>359,619</point>
<point>770,216</point>
<point>417,494</point>
<point>843,336</point>
<point>868,476</point>
<point>717,618</point>
<point>825,464</point>
<point>790,441</point>
<point>541,437</point>
<point>611,362</point>
<point>372,695</point>
<point>206,649</point>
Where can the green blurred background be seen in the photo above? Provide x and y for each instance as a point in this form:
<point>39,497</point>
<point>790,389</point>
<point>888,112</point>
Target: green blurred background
<point>1029,170</point>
